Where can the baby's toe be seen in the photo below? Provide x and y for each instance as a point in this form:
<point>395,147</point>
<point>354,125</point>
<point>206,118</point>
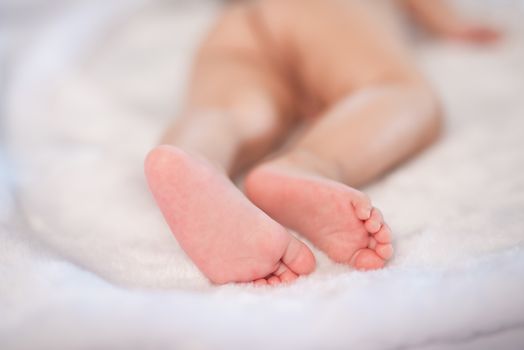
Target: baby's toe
<point>288,276</point>
<point>367,259</point>
<point>362,205</point>
<point>385,251</point>
<point>297,258</point>
<point>384,234</point>
<point>374,223</point>
<point>285,274</point>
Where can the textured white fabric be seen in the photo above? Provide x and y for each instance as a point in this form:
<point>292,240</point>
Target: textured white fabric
<point>86,261</point>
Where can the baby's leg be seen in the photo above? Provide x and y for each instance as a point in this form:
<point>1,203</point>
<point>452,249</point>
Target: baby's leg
<point>235,113</point>
<point>307,187</point>
<point>238,106</point>
<point>383,112</point>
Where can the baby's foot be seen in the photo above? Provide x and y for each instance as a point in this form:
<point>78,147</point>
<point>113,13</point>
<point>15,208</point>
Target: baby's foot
<point>336,218</point>
<point>227,237</point>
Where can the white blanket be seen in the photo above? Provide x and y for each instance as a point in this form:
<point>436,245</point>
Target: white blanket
<point>86,261</point>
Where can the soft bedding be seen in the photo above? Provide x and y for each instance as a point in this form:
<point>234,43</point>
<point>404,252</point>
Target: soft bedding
<point>86,261</point>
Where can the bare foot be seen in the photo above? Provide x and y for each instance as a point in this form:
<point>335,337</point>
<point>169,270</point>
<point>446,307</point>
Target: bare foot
<point>227,237</point>
<point>338,219</point>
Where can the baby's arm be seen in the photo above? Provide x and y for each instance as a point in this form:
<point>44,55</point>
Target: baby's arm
<point>440,18</point>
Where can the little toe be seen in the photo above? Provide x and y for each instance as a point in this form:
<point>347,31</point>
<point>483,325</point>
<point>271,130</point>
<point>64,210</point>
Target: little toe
<point>384,234</point>
<point>362,205</point>
<point>385,251</point>
<point>374,223</point>
<point>367,259</point>
<point>299,258</point>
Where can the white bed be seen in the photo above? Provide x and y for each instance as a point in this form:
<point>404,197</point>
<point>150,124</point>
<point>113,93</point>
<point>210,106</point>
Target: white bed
<point>86,261</point>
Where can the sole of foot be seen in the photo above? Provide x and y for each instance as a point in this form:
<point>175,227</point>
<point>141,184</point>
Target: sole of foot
<point>227,237</point>
<point>336,218</point>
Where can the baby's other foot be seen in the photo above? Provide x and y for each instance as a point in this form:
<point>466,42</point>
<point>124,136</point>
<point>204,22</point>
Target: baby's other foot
<point>338,219</point>
<point>227,237</point>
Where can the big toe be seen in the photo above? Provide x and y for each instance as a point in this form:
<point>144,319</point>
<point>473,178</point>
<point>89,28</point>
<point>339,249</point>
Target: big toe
<point>159,157</point>
<point>299,258</point>
<point>162,163</point>
<point>367,259</point>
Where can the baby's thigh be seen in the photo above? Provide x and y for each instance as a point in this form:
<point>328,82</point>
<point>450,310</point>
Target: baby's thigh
<point>342,45</point>
<point>233,70</point>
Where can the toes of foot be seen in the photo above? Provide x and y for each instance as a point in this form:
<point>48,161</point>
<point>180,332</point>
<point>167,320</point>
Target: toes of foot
<point>281,275</point>
<point>364,213</point>
<point>384,234</point>
<point>385,251</point>
<point>287,276</point>
<point>374,223</point>
<point>363,207</point>
<point>367,259</point>
<point>299,258</point>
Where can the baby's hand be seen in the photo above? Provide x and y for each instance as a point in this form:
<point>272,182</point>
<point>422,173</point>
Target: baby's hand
<point>473,33</point>
<point>441,19</point>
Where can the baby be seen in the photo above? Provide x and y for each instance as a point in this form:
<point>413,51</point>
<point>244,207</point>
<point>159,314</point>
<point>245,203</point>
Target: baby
<point>333,67</point>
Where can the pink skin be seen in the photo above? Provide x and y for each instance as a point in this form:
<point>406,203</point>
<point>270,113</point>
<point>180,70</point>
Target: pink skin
<point>228,238</point>
<point>338,219</point>
<point>375,110</point>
